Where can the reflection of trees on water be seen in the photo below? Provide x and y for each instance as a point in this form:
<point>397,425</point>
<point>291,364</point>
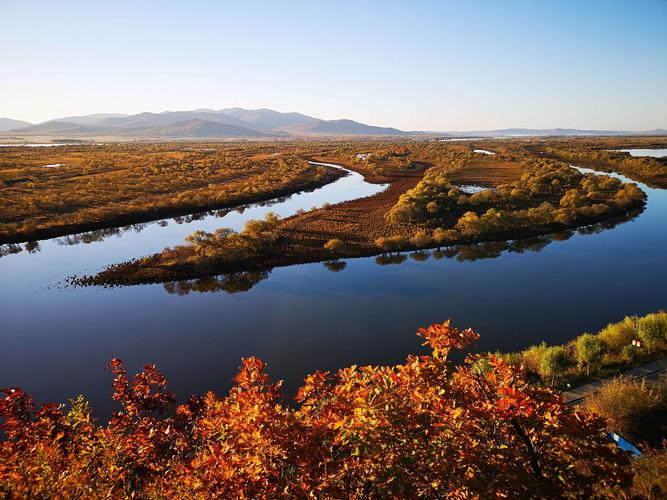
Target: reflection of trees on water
<point>244,281</point>
<point>493,249</point>
<point>387,260</point>
<point>335,265</point>
<point>420,256</point>
<point>12,248</point>
<point>89,236</point>
<point>101,234</point>
<point>98,235</point>
<point>32,247</point>
<point>9,249</point>
<point>230,283</point>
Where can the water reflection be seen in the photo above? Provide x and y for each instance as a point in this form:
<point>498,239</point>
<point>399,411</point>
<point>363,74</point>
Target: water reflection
<point>494,249</point>
<point>387,260</point>
<point>230,283</point>
<point>244,281</point>
<point>335,265</point>
<point>98,235</point>
<point>10,248</point>
<point>420,255</point>
<point>32,247</point>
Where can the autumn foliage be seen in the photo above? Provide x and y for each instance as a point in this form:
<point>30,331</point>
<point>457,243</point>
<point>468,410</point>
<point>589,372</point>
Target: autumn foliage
<point>423,428</point>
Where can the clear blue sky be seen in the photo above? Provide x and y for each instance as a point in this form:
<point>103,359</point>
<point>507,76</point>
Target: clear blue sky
<point>440,65</point>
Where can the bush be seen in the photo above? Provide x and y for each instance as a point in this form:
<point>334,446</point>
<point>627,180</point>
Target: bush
<point>623,402</point>
<point>650,475</point>
<point>630,354</point>
<point>532,357</point>
<point>335,245</point>
<point>391,243</point>
<point>442,236</point>
<point>421,239</point>
<point>414,430</point>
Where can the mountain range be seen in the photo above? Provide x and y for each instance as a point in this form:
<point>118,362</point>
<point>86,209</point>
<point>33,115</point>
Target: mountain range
<point>242,123</point>
<point>200,123</point>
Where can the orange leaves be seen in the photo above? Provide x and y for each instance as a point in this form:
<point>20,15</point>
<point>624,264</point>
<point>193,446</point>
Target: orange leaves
<point>411,430</point>
<point>145,394</point>
<point>443,337</point>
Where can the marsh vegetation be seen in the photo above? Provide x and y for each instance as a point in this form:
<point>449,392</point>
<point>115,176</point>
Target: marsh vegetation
<point>109,185</point>
<point>520,195</point>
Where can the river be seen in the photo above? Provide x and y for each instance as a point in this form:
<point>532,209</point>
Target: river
<point>56,340</point>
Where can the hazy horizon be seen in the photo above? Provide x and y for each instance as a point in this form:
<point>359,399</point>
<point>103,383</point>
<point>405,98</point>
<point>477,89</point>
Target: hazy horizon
<point>431,66</point>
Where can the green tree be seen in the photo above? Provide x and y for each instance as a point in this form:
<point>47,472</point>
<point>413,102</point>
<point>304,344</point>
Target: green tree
<point>652,330</point>
<point>555,360</point>
<point>620,334</point>
<point>629,353</point>
<point>590,350</point>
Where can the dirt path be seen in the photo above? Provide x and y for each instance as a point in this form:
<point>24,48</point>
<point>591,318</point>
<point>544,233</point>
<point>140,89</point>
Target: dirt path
<point>360,220</point>
<point>649,371</point>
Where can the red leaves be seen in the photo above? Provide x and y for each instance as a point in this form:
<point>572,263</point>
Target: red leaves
<point>251,373</point>
<point>411,430</point>
<point>16,408</point>
<point>443,337</point>
<point>145,394</point>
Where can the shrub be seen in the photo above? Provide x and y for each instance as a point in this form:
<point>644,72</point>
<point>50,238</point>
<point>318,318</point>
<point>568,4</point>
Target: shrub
<point>532,357</point>
<point>650,475</point>
<point>335,245</point>
<point>623,402</point>
<point>441,236</point>
<point>391,243</point>
<point>421,239</point>
<point>630,354</point>
<point>414,430</point>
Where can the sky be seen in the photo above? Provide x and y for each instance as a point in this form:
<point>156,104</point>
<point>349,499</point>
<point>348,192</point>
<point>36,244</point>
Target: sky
<point>418,65</point>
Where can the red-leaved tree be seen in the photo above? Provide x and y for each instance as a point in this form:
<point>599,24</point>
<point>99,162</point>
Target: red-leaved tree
<point>421,428</point>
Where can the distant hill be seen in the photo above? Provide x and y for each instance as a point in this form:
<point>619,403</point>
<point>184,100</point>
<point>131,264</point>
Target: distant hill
<point>168,118</point>
<point>342,127</point>
<point>537,132</point>
<point>90,119</point>
<point>193,129</point>
<point>267,119</point>
<point>10,124</point>
<point>55,126</point>
<point>251,123</point>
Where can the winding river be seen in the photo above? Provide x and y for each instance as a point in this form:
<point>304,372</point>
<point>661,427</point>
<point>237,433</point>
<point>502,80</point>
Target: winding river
<point>55,340</point>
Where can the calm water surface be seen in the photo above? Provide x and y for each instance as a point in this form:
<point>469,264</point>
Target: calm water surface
<point>655,153</point>
<point>55,340</point>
